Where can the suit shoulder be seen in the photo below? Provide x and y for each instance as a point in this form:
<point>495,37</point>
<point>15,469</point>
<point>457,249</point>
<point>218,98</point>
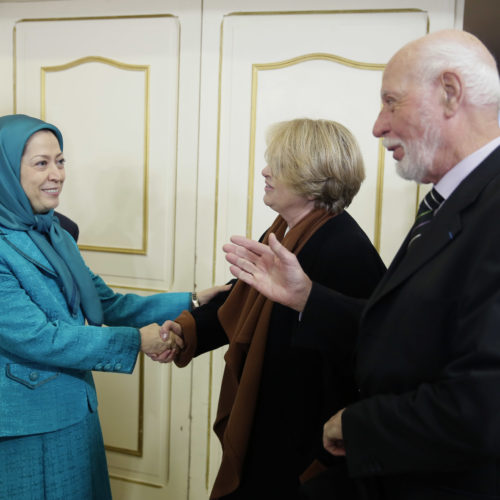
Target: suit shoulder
<point>68,225</point>
<point>343,236</point>
<point>341,256</point>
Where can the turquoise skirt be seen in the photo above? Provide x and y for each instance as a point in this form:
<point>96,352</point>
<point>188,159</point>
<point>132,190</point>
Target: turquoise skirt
<point>69,464</point>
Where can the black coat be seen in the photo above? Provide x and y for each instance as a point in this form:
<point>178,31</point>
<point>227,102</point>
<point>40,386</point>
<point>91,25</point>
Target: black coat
<point>68,225</point>
<point>428,358</point>
<point>302,385</point>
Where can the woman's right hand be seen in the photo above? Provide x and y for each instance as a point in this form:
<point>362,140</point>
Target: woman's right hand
<point>171,335</point>
<point>151,341</point>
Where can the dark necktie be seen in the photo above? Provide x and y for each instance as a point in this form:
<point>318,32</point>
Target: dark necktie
<point>428,206</point>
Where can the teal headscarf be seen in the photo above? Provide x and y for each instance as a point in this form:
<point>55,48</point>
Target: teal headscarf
<point>44,229</point>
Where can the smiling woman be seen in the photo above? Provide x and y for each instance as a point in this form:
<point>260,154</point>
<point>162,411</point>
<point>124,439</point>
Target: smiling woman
<point>42,171</point>
<point>51,329</point>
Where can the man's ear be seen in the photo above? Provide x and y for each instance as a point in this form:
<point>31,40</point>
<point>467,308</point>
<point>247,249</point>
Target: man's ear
<point>453,92</point>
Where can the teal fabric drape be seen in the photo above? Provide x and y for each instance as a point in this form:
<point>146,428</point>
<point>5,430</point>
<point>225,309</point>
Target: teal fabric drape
<point>44,229</point>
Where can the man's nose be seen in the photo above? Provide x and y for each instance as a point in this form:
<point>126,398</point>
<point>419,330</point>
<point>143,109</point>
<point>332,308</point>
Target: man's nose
<point>381,126</point>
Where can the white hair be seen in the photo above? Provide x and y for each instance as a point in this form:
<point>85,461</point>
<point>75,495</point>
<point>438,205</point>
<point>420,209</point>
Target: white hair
<point>479,75</point>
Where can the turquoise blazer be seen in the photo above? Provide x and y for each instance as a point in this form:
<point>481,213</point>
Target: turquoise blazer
<point>47,354</point>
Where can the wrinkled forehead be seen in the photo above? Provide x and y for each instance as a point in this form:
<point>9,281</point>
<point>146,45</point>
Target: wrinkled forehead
<point>400,73</point>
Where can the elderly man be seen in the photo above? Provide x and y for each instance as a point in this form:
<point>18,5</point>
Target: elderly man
<point>427,425</point>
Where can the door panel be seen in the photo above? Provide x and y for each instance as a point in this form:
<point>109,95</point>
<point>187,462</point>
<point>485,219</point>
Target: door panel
<point>112,87</point>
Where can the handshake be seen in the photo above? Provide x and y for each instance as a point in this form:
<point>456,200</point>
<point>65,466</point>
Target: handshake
<point>162,343</point>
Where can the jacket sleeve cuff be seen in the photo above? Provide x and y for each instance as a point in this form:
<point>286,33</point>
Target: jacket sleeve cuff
<point>188,324</point>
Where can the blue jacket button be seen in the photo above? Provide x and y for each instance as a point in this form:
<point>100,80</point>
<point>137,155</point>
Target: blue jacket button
<point>107,367</point>
<point>34,376</point>
<point>98,366</point>
<point>118,367</point>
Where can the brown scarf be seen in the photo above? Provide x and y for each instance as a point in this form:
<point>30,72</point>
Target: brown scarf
<point>245,318</point>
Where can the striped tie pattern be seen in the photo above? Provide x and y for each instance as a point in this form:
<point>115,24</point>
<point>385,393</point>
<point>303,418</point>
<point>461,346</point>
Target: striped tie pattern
<point>428,206</point>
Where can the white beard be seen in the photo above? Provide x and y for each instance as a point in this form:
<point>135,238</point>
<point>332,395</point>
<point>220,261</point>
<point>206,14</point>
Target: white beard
<point>419,153</point>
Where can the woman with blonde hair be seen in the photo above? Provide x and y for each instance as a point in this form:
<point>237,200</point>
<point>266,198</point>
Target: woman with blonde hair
<point>281,383</point>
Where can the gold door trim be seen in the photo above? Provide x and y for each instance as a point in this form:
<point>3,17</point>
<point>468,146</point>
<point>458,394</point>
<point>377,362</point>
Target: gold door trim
<point>135,481</point>
<point>145,202</point>
<point>140,430</point>
<point>81,18</point>
<point>138,288</point>
<point>326,11</point>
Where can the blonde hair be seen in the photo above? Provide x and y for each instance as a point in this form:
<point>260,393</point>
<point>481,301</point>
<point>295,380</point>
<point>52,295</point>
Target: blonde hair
<point>317,159</point>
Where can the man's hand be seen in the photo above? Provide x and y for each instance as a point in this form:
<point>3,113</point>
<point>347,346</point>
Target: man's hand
<point>332,435</point>
<point>272,270</point>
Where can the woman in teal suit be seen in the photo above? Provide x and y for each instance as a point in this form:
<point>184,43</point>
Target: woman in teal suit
<point>51,334</point>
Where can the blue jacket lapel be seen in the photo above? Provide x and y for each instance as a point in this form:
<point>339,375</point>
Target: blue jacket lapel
<point>24,246</point>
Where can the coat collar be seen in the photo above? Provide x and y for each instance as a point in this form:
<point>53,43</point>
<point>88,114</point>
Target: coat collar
<point>446,225</point>
<point>20,242</point>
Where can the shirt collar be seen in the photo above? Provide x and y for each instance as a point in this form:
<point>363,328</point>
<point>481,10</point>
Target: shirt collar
<point>450,181</point>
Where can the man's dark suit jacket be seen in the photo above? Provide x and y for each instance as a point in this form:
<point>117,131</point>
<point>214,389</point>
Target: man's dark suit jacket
<point>68,224</point>
<point>427,426</point>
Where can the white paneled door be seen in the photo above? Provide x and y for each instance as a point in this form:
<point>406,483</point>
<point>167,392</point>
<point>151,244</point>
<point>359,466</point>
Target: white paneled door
<point>125,94</point>
<point>164,105</point>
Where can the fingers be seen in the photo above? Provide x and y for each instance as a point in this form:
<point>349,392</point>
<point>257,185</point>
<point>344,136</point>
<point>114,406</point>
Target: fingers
<point>251,245</point>
<point>173,342</point>
<point>237,272</point>
<point>280,251</point>
<point>335,447</point>
<point>248,249</point>
<point>243,269</point>
<point>236,252</point>
<point>170,352</point>
<point>332,435</point>
<point>150,338</point>
<point>162,343</point>
<point>170,326</point>
<point>242,263</point>
<point>329,442</point>
<point>166,356</point>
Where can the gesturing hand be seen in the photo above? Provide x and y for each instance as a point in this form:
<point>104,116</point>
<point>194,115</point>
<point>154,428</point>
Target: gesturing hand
<point>171,335</point>
<point>272,270</point>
